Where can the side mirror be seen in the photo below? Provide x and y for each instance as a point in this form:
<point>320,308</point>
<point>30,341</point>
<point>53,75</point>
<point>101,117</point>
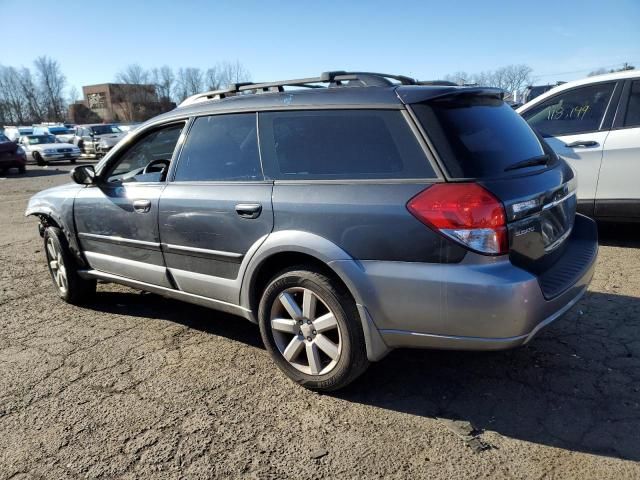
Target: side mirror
<point>84,175</point>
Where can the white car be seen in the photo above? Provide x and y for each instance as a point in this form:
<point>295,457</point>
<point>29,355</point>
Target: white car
<point>594,124</point>
<point>45,148</point>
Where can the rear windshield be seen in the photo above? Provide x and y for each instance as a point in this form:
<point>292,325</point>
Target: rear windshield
<point>478,136</point>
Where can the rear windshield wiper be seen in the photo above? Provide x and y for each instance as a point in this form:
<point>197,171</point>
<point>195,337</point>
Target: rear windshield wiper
<point>530,162</point>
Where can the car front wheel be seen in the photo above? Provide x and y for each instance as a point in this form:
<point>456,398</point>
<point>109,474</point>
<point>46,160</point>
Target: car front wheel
<point>64,272</point>
<point>310,325</point>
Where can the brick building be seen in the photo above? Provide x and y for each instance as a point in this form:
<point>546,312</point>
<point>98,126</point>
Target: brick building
<point>118,102</point>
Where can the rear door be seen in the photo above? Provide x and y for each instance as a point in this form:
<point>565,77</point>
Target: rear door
<point>618,193</point>
<point>117,218</point>
<point>576,125</point>
<point>217,208</point>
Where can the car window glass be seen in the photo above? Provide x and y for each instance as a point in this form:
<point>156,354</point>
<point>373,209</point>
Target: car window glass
<point>632,115</point>
<point>341,144</point>
<point>221,148</point>
<point>156,147</point>
<point>575,111</point>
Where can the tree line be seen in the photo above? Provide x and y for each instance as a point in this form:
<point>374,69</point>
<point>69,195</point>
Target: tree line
<point>40,94</point>
<point>511,78</point>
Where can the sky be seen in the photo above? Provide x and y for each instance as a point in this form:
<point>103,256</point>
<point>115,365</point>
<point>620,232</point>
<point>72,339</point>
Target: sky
<point>92,41</point>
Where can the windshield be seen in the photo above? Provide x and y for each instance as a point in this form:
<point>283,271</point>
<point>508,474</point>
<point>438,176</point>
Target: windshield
<point>105,129</point>
<point>478,136</point>
<point>41,139</point>
<point>3,138</point>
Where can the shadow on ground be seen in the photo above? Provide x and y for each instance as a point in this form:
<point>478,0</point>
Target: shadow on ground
<point>575,386</point>
<point>147,305</point>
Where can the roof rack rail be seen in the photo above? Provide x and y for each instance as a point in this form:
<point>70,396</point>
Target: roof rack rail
<point>334,79</point>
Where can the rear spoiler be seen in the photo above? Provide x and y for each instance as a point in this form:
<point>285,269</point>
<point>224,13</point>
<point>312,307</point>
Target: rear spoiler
<point>411,94</point>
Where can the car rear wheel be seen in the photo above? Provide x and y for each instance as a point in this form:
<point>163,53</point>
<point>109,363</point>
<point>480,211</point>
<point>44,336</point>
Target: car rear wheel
<point>63,269</point>
<point>38,158</point>
<point>310,325</point>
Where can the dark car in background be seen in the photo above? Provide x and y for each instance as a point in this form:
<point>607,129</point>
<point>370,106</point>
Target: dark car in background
<point>12,155</point>
<point>370,213</point>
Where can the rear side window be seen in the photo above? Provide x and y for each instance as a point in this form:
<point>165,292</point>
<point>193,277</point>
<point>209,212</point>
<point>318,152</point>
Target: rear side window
<point>477,136</point>
<point>579,110</point>
<point>340,144</point>
<point>221,148</point>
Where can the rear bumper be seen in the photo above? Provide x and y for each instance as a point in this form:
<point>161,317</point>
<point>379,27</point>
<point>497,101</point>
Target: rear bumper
<point>482,303</point>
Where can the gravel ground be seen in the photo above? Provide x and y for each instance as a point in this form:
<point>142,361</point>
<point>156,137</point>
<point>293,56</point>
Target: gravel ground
<point>137,386</point>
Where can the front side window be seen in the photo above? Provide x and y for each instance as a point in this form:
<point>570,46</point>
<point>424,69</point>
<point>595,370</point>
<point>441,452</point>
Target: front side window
<point>341,144</point>
<point>579,110</point>
<point>148,159</point>
<point>632,115</point>
<point>221,148</point>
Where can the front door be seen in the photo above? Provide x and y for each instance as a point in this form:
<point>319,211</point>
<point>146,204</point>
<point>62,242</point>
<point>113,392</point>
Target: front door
<point>217,207</point>
<point>117,218</point>
<point>618,192</point>
<point>572,124</point>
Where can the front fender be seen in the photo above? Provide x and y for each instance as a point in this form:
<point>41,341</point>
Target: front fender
<point>55,206</point>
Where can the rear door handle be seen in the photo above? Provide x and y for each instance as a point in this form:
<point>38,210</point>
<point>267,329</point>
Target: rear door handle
<point>141,206</point>
<point>249,210</point>
<point>582,143</point>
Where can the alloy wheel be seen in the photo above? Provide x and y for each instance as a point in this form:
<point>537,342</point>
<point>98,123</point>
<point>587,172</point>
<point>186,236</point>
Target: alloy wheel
<point>56,266</point>
<point>306,331</point>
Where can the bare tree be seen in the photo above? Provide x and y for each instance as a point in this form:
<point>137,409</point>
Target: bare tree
<point>134,94</point>
<point>51,84</point>
<point>13,102</point>
<point>74,94</point>
<point>600,71</point>
<point>512,78</point>
<point>164,80</point>
<point>189,82</point>
<point>133,74</point>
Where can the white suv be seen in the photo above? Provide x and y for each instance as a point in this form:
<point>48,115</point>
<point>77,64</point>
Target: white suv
<point>594,124</point>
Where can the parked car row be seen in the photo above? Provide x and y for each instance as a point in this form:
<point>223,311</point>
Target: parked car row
<point>44,143</point>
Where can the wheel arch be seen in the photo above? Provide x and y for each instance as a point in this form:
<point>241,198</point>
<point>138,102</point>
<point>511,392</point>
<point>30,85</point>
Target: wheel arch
<point>284,249</point>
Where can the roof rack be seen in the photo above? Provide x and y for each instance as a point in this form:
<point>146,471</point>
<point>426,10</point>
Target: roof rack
<point>334,79</point>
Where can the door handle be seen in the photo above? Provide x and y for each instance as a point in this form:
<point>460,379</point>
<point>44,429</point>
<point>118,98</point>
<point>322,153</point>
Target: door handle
<point>249,210</point>
<point>141,206</point>
<point>582,143</point>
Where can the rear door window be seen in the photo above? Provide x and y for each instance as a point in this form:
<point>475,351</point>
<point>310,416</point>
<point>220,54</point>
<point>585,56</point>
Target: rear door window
<point>478,136</point>
<point>340,144</point>
<point>579,110</point>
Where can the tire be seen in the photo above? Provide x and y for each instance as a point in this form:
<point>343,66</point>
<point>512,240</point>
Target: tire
<point>63,269</point>
<point>72,161</point>
<point>22,169</point>
<point>38,158</point>
<point>81,146</point>
<point>320,347</point>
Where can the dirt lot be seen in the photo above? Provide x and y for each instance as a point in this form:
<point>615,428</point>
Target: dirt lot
<point>137,386</point>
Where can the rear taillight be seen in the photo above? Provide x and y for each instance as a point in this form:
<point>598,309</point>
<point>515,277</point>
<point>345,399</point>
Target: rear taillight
<point>466,213</point>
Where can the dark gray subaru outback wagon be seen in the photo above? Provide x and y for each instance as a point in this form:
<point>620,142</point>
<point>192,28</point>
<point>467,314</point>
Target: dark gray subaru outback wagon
<point>351,215</point>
